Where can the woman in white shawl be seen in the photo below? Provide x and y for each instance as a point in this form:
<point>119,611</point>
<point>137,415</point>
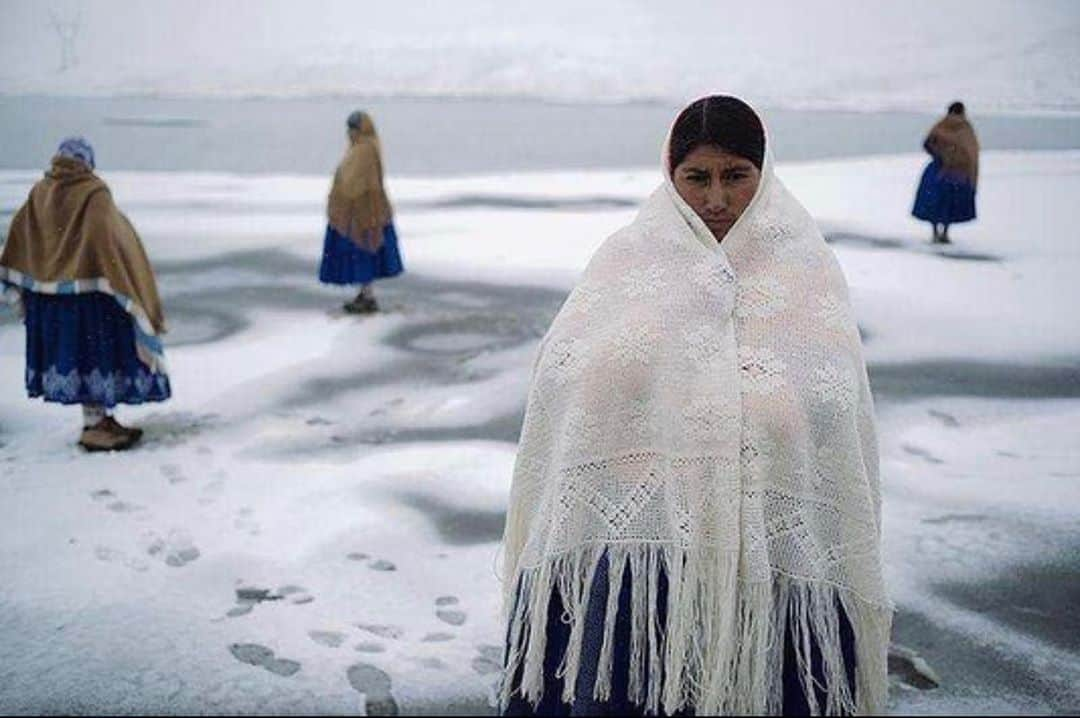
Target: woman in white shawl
<point>695,523</point>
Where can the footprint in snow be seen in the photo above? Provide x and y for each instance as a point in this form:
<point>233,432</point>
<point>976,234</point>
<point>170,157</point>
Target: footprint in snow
<point>176,549</point>
<point>921,453</point>
<point>382,631</point>
<point>488,660</point>
<point>444,613</point>
<point>258,655</point>
<point>248,597</point>
<point>452,617</point>
<point>113,503</point>
<point>946,418</point>
<point>330,639</point>
<point>376,686</point>
<point>173,473</point>
<point>297,595</point>
<point>369,647</point>
<point>375,565</point>
<point>111,555</point>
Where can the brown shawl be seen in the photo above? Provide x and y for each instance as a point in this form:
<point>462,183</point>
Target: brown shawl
<point>952,140</point>
<point>69,229</point>
<point>358,206</point>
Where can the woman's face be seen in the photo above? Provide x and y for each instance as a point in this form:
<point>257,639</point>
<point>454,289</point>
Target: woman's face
<point>718,186</point>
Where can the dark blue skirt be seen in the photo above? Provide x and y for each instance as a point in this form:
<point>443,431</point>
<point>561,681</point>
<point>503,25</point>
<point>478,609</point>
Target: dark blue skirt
<point>345,263</point>
<point>619,703</point>
<point>944,198</point>
<point>80,349</point>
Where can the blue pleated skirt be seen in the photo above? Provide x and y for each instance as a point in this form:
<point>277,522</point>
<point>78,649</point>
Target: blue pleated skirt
<point>80,349</point>
<point>345,263</point>
<point>619,703</point>
<point>944,198</point>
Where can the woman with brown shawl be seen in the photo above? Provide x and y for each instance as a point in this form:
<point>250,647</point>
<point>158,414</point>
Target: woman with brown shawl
<point>360,244</point>
<point>946,194</point>
<point>74,265</point>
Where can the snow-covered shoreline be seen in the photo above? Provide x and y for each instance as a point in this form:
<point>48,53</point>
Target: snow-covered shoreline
<point>307,452</point>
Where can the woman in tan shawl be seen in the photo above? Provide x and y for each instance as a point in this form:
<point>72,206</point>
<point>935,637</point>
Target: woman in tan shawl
<point>946,193</point>
<point>361,244</point>
<point>76,268</point>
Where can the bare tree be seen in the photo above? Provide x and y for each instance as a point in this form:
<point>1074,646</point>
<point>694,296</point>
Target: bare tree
<point>67,30</point>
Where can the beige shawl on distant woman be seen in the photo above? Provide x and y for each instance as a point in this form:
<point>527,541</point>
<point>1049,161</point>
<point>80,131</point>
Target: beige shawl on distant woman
<point>952,140</point>
<point>70,238</point>
<point>358,207</point>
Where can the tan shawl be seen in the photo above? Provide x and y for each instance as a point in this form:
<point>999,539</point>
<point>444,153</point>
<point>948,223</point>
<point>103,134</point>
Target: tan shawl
<point>70,231</point>
<point>358,206</point>
<point>953,141</point>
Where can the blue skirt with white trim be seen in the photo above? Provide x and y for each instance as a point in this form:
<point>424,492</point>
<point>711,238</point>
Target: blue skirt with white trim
<point>80,349</point>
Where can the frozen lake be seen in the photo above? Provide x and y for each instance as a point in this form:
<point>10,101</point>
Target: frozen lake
<point>438,137</point>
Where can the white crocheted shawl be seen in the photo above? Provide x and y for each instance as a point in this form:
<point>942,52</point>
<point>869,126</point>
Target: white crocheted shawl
<point>701,410</point>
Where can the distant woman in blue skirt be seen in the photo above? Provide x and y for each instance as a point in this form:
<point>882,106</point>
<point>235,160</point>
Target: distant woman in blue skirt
<point>75,266</point>
<point>361,244</point>
<point>946,193</point>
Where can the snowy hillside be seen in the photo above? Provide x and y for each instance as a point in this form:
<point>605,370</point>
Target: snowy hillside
<point>998,55</point>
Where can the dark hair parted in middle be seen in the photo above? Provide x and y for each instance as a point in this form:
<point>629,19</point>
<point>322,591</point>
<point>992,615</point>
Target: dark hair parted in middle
<point>727,122</point>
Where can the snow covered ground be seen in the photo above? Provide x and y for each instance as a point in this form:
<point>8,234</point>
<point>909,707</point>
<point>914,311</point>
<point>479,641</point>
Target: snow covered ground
<point>312,523</point>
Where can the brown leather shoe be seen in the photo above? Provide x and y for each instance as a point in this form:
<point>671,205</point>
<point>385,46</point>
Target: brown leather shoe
<point>362,305</point>
<point>100,437</point>
<point>113,425</point>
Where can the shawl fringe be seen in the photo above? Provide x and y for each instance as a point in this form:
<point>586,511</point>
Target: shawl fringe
<point>691,660</point>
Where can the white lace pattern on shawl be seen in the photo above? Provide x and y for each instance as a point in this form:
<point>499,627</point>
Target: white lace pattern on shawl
<point>702,411</point>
